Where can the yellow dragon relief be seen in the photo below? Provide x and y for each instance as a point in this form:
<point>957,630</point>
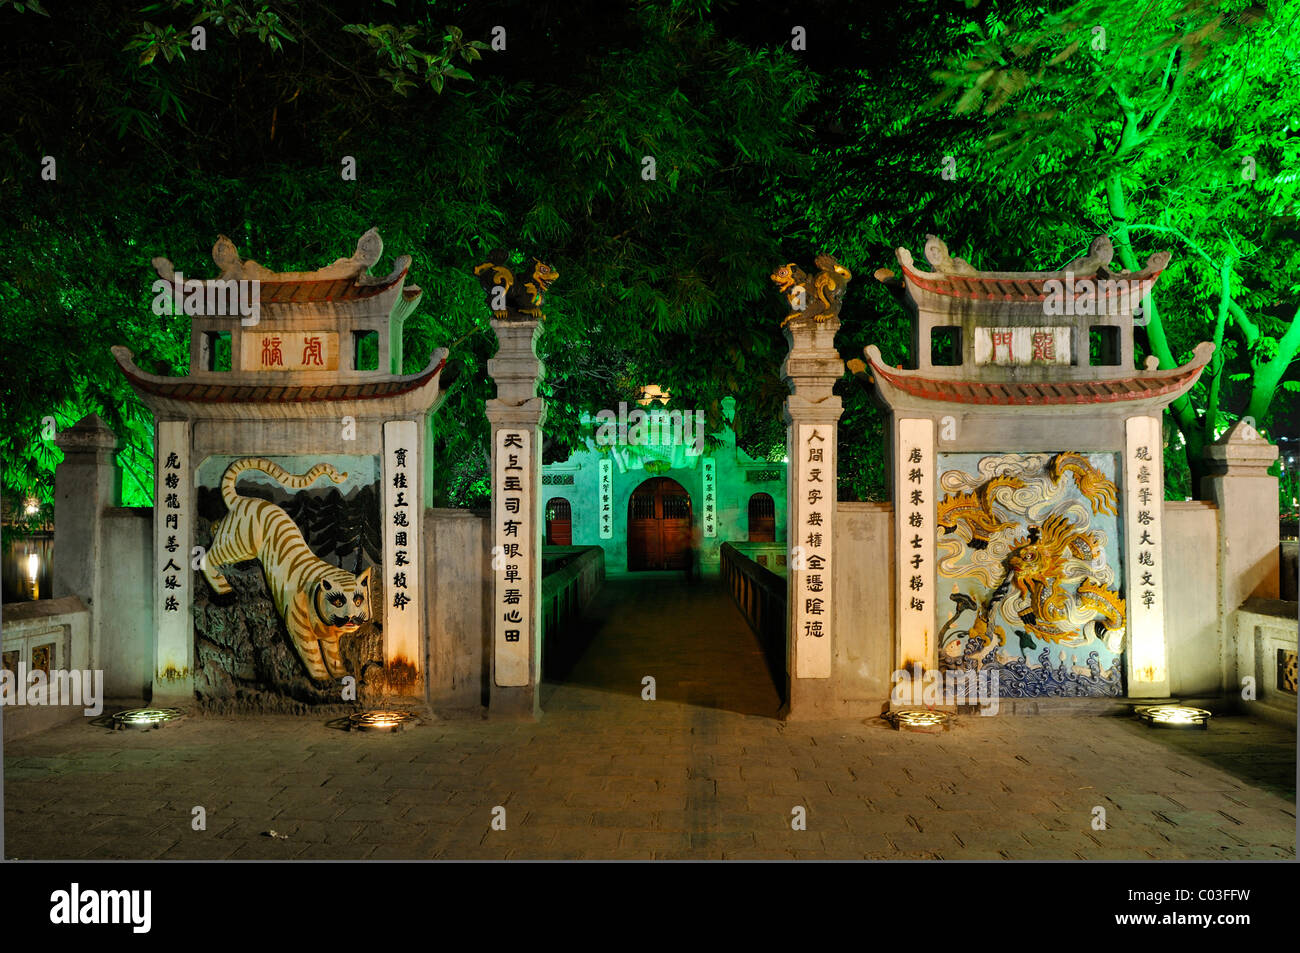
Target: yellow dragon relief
<point>1039,565</point>
<point>1037,569</point>
<point>974,508</point>
<point>1092,483</point>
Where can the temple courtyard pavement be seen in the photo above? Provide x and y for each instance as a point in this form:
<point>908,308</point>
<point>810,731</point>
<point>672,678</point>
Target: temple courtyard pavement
<point>703,771</point>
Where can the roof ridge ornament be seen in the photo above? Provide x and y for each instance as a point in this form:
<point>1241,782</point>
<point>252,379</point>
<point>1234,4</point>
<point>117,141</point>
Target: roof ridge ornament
<point>370,247</point>
<point>1091,273</point>
<point>936,253</point>
<point>1100,254</point>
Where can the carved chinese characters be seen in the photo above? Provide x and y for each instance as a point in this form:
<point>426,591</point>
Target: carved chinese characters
<point>914,489</point>
<point>172,527</point>
<point>606,498</point>
<point>1143,507</point>
<point>290,351</point>
<point>810,540</point>
<point>710,498</point>
<point>401,542</point>
<point>512,555</point>
<point>1019,345</point>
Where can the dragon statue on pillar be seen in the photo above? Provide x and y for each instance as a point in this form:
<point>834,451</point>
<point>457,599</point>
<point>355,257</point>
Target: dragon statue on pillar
<point>818,298</point>
<point>514,297</point>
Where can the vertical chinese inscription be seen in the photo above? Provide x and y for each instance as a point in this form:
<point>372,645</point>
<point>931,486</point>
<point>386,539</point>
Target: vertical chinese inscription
<point>512,555</point>
<point>1144,489</point>
<point>401,542</point>
<point>914,490</point>
<point>710,498</point>
<point>173,513</point>
<point>810,567</point>
<point>606,498</point>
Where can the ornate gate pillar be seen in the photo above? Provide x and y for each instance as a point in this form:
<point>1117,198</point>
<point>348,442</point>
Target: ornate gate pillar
<point>812,414</point>
<point>515,541</point>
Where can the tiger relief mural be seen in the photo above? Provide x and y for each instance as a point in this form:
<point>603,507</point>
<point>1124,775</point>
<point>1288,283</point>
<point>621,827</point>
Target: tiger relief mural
<point>317,601</point>
<point>322,607</point>
<point>1028,546</point>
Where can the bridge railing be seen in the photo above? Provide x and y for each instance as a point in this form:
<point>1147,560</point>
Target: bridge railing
<point>572,577</point>
<point>759,594</point>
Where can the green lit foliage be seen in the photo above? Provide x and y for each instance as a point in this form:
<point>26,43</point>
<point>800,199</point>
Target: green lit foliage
<point>662,281</point>
<point>1166,125</point>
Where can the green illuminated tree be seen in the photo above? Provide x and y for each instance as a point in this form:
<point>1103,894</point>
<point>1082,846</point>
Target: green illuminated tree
<point>539,147</point>
<point>1166,125</point>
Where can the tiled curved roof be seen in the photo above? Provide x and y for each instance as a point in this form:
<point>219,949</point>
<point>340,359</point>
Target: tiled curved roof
<point>994,287</point>
<point>208,391</point>
<point>1137,386</point>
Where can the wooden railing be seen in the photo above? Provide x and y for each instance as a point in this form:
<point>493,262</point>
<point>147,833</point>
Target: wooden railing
<point>759,594</point>
<point>576,575</point>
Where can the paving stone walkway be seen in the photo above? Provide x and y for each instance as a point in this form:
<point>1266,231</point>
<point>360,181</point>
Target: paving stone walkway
<point>704,771</point>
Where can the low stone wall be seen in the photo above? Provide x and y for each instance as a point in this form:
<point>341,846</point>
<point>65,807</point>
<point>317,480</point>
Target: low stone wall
<point>124,616</point>
<point>771,556</point>
<point>59,631</point>
<point>1192,631</point>
<point>567,591</point>
<point>458,599</point>
<point>1266,649</point>
<point>864,608</point>
<point>760,595</point>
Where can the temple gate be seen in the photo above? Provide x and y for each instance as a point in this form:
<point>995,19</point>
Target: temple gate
<point>293,474</point>
<point>1027,472</point>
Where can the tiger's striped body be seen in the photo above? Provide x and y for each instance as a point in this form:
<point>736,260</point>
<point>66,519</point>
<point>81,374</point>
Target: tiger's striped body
<point>318,602</point>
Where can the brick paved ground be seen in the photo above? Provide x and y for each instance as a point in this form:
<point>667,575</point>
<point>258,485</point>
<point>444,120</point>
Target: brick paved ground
<point>702,772</point>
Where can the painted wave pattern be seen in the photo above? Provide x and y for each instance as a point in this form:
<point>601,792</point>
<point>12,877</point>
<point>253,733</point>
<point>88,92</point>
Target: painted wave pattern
<point>1017,678</point>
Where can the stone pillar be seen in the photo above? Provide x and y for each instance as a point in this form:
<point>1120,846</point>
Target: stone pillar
<point>85,484</point>
<point>812,415</point>
<point>915,595</point>
<point>174,504</point>
<point>515,541</point>
<point>1144,495</point>
<point>403,556</point>
<point>1239,483</point>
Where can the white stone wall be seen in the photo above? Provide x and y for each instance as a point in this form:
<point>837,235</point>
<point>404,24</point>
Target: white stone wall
<point>1191,603</point>
<point>864,609</point>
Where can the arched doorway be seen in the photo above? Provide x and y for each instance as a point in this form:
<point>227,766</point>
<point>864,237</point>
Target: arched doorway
<point>658,525</point>
<point>559,522</point>
<point>762,518</point>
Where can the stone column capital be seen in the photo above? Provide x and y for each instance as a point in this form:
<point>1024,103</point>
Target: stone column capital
<point>801,410</point>
<point>528,413</point>
<point>812,365</point>
<point>516,367</point>
<point>1242,451</point>
<point>90,435</point>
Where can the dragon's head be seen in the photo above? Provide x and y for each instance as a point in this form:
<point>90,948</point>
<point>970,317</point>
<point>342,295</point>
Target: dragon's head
<point>787,276</point>
<point>543,274</point>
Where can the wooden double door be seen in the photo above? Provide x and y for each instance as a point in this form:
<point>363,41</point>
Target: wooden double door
<point>658,525</point>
